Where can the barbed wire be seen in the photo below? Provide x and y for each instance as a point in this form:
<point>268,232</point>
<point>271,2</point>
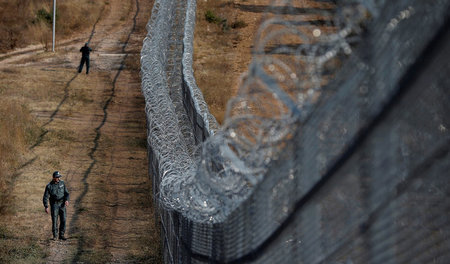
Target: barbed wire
<point>242,193</point>
<point>293,60</point>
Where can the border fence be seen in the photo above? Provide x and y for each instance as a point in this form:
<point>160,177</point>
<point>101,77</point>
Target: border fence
<point>334,150</point>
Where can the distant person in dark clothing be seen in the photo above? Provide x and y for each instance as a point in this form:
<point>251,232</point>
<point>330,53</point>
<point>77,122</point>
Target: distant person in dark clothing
<point>85,50</point>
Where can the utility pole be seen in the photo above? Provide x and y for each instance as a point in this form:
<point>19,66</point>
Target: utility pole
<point>54,23</point>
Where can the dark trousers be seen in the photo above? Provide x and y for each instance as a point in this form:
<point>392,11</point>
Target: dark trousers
<point>58,209</point>
<point>83,60</point>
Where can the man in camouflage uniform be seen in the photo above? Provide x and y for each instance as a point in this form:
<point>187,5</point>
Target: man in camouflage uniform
<point>56,191</point>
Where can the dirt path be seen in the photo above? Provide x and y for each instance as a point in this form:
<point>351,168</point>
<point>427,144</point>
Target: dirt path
<point>93,131</point>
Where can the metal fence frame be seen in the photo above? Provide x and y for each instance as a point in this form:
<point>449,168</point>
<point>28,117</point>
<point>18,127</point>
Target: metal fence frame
<point>330,197</point>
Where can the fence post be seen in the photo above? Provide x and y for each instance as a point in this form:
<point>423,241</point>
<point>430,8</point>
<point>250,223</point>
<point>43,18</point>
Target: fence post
<point>54,23</point>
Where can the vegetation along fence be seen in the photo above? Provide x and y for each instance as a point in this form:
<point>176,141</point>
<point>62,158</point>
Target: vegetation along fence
<point>334,150</point>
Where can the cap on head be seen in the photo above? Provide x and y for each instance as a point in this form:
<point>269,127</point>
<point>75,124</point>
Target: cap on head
<point>86,43</point>
<point>56,174</point>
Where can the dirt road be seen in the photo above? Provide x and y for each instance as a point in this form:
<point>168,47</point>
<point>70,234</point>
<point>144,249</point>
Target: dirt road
<point>92,129</point>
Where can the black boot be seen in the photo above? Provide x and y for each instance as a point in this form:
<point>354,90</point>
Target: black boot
<point>62,237</point>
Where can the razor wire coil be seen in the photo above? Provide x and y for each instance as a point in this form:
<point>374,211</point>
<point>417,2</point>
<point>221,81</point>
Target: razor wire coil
<point>224,199</point>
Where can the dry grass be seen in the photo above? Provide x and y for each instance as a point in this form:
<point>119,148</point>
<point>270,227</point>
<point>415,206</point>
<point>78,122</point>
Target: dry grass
<point>222,47</point>
<point>34,25</point>
<point>12,250</point>
<point>19,129</point>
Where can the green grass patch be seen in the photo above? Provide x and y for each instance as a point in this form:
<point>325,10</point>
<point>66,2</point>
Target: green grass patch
<point>44,16</point>
<point>211,17</point>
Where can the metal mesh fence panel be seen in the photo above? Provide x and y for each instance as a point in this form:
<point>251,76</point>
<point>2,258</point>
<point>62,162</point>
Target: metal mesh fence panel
<point>335,150</point>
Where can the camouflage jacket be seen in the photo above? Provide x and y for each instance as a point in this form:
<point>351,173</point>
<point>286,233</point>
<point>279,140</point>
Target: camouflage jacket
<point>55,192</point>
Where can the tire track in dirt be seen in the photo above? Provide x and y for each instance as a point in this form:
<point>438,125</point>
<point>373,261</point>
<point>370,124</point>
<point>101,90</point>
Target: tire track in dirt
<point>98,135</point>
<point>66,91</point>
<point>52,116</point>
<point>61,253</point>
<point>114,205</point>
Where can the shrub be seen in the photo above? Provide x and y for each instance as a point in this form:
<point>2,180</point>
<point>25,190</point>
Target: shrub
<point>44,15</point>
<point>239,24</point>
<point>212,18</point>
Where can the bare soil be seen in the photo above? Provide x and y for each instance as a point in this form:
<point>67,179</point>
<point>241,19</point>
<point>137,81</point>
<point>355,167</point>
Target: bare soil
<point>92,129</point>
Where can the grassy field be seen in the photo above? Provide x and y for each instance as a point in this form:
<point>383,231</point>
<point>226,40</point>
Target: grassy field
<point>222,49</point>
<point>19,129</point>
